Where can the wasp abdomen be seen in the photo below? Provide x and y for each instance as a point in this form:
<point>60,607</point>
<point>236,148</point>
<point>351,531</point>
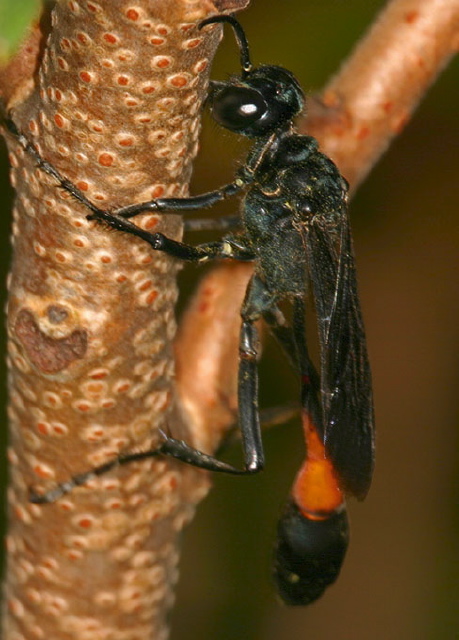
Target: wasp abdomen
<point>309,553</point>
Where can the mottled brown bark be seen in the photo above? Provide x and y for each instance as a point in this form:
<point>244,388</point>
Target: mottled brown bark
<point>112,99</point>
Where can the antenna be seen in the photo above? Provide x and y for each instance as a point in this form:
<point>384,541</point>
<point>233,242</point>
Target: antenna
<point>240,37</point>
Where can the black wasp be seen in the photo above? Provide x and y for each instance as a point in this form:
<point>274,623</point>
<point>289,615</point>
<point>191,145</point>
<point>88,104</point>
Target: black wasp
<point>294,227</point>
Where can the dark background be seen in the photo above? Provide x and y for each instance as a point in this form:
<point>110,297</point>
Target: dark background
<point>401,576</point>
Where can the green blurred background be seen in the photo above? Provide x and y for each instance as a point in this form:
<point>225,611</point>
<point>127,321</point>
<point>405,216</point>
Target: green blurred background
<point>400,580</point>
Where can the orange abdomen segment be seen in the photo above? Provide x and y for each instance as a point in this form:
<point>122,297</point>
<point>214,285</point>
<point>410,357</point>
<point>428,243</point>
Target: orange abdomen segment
<point>316,490</point>
<point>313,531</point>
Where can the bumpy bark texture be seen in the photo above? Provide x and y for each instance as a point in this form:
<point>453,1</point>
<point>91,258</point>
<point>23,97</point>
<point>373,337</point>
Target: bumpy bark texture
<point>114,104</point>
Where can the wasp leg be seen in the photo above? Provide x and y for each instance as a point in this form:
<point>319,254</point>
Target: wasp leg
<point>81,479</point>
<point>47,167</point>
<point>174,205</point>
<point>185,453</point>
<point>117,220</point>
<point>259,302</point>
<point>179,250</point>
<point>169,447</point>
<point>212,224</point>
<point>160,205</point>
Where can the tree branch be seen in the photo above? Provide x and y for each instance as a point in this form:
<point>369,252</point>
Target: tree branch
<point>112,99</point>
<point>372,97</point>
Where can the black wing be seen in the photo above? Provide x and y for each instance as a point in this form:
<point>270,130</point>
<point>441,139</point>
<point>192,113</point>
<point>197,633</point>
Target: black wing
<point>345,377</point>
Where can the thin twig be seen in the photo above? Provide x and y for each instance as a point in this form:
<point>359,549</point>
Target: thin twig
<point>372,97</point>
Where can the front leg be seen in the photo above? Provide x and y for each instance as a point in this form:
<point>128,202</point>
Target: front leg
<point>227,248</point>
<point>244,178</point>
<point>183,205</point>
<point>160,205</point>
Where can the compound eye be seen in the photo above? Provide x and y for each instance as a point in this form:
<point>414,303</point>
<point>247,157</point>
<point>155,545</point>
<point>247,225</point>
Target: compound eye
<point>236,108</point>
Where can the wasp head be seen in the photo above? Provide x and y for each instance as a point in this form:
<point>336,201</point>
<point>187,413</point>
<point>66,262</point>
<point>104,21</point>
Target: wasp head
<point>259,101</point>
